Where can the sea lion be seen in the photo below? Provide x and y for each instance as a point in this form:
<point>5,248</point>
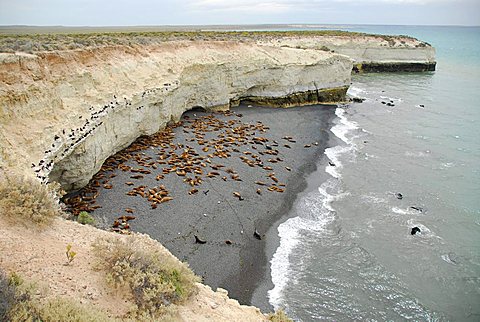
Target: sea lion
<point>415,230</point>
<point>199,241</point>
<point>238,195</point>
<point>256,234</point>
<point>419,209</point>
<point>399,196</point>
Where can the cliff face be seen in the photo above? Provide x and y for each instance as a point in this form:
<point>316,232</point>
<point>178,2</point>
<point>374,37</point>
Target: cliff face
<point>73,109</point>
<point>373,53</point>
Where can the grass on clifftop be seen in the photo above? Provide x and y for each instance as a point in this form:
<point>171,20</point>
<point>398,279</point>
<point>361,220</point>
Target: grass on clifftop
<point>279,316</point>
<point>26,201</point>
<point>31,43</point>
<point>152,278</point>
<point>19,303</point>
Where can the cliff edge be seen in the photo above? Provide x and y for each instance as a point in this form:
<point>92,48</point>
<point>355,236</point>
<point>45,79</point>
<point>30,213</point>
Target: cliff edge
<point>65,111</point>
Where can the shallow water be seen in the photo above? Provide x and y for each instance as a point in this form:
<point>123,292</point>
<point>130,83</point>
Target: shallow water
<point>347,252</point>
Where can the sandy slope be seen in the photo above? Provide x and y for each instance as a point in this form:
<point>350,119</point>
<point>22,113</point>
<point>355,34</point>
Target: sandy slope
<point>40,256</point>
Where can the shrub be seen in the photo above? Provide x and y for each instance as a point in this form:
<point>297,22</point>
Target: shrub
<point>279,316</point>
<point>85,218</point>
<point>153,278</point>
<point>26,201</point>
<point>70,254</point>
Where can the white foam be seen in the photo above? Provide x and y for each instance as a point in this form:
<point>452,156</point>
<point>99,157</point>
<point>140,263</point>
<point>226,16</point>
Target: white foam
<point>333,155</point>
<point>373,199</point>
<point>315,213</point>
<point>370,156</point>
<point>448,259</point>
<point>340,130</point>
<point>424,230</point>
<point>403,211</point>
<point>447,165</point>
<point>355,91</point>
<point>418,154</point>
<point>394,99</point>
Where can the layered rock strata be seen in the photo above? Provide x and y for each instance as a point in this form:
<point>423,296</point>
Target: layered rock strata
<point>64,113</point>
<point>371,53</point>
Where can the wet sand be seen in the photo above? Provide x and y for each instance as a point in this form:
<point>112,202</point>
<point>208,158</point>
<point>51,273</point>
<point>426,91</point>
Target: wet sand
<point>232,257</point>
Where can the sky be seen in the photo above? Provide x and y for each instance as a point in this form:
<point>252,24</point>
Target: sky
<point>210,12</point>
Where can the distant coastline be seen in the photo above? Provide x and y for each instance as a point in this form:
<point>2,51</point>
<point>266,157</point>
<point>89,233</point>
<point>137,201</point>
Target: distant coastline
<point>86,96</point>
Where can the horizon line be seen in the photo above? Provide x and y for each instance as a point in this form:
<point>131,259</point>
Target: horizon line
<point>243,25</point>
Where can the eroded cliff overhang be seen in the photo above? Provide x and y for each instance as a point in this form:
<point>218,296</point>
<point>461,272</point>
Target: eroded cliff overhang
<point>72,110</point>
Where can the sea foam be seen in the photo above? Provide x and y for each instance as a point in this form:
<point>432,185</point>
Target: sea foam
<point>314,211</point>
<point>343,127</point>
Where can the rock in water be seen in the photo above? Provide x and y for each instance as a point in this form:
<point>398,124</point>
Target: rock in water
<point>415,230</point>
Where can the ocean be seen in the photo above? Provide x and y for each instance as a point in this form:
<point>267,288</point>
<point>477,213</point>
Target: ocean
<point>346,252</point>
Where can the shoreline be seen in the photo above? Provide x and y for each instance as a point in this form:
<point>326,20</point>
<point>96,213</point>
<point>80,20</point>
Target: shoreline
<point>213,214</point>
<point>258,279</point>
<point>312,181</point>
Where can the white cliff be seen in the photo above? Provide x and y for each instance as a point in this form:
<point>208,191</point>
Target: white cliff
<point>365,49</point>
<point>73,109</point>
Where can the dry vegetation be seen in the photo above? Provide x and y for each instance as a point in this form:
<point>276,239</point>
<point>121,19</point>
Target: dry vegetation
<point>31,43</point>
<point>19,302</point>
<point>153,279</point>
<point>279,316</point>
<point>26,201</point>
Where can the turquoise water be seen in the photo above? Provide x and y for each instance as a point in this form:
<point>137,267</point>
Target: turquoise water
<point>350,252</point>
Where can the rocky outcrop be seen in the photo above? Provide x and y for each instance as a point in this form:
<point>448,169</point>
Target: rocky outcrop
<point>73,109</point>
<point>370,53</point>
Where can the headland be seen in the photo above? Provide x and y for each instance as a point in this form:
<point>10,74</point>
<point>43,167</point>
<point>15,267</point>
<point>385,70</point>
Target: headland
<point>72,101</point>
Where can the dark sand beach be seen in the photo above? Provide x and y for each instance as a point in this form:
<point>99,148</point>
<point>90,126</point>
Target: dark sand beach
<point>231,257</point>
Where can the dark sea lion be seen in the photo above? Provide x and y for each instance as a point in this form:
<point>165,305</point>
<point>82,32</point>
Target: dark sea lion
<point>419,209</point>
<point>415,230</point>
<point>256,234</point>
<point>199,241</point>
<point>399,196</point>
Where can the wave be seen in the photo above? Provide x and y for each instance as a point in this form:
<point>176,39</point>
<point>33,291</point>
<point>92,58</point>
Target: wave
<point>340,130</point>
<point>335,165</point>
<point>355,91</point>
<point>315,211</point>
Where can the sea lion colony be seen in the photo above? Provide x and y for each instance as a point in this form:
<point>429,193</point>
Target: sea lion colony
<point>218,140</point>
